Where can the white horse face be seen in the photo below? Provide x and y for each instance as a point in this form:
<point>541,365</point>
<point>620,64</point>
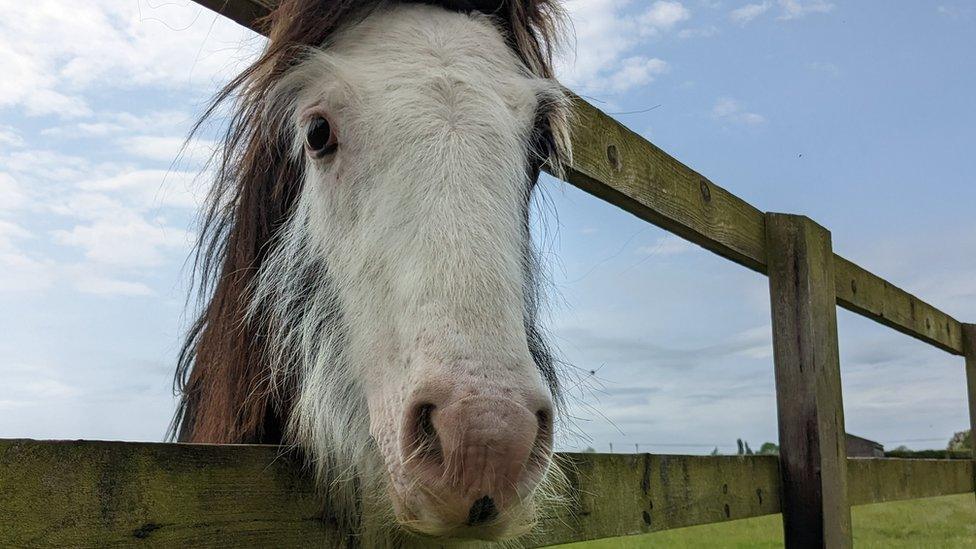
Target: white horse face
<point>416,126</point>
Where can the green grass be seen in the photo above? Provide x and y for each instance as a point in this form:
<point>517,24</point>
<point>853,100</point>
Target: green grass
<point>948,521</point>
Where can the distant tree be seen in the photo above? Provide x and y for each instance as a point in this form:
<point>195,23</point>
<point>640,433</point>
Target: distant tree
<point>769,449</point>
<point>715,452</point>
<point>744,449</point>
<point>902,448</point>
<point>963,440</point>
<point>589,450</point>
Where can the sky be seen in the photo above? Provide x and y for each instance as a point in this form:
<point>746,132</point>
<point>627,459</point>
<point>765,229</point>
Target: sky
<point>858,114</point>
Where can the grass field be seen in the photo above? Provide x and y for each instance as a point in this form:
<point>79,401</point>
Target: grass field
<point>948,521</point>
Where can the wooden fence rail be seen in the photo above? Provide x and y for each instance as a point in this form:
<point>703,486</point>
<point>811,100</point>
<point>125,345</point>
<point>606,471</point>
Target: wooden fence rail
<point>102,494</point>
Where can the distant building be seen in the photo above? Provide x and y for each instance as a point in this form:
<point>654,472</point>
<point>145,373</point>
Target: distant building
<point>862,447</point>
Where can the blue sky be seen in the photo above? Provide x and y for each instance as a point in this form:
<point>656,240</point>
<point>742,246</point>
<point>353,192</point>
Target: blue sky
<point>858,114</point>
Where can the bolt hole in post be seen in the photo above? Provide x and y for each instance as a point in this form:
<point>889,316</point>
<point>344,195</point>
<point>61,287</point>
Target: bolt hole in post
<point>613,157</point>
<point>706,191</point>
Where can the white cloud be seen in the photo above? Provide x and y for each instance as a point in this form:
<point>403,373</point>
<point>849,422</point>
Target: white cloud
<point>100,285</point>
<point>31,383</point>
<point>635,72</point>
<point>729,110</point>
<point>152,147</point>
<point>167,148</point>
<point>42,101</point>
<point>749,12</point>
<point>10,137</point>
<point>607,33</point>
<point>662,16</point>
<point>701,32</point>
<point>87,206</point>
<point>131,242</point>
<point>794,9</point>
<point>147,189</point>
<point>107,211</point>
<point>757,342</point>
<point>954,12</point>
<point>114,123</point>
<point>51,56</point>
<point>788,9</point>
<point>18,271</point>
<point>9,232</point>
<point>21,271</point>
<point>46,165</point>
<point>28,80</point>
<point>47,181</point>
<point>11,195</point>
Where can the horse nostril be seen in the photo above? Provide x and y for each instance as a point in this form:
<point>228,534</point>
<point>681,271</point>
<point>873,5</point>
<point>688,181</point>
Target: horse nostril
<point>543,440</point>
<point>544,418</point>
<point>425,444</point>
<point>482,511</point>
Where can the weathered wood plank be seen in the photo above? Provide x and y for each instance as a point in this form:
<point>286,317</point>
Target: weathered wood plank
<point>866,294</point>
<point>242,12</point>
<point>612,495</point>
<point>104,494</point>
<point>117,494</point>
<point>622,168</point>
<point>881,480</point>
<point>969,337</point>
<point>812,443</point>
<point>619,494</point>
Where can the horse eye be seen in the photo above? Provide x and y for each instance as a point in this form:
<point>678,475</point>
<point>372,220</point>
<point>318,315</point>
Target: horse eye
<point>320,139</point>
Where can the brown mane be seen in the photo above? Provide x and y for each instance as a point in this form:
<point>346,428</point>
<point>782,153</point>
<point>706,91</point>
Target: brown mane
<point>222,374</point>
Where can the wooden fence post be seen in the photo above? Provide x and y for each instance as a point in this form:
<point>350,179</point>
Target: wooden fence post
<point>813,455</point>
<point>969,346</point>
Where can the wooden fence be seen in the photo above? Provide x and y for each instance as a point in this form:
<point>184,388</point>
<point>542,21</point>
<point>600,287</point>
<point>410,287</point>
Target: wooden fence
<point>101,494</point>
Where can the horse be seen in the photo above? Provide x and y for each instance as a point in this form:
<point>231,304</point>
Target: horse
<point>369,290</point>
